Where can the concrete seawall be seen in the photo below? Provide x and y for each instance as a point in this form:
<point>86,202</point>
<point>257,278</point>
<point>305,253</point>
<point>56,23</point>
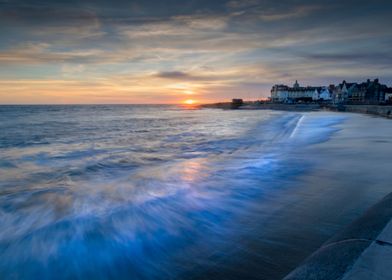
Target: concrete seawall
<point>384,111</point>
<point>283,107</point>
<point>362,251</point>
<point>378,110</point>
<point>264,106</point>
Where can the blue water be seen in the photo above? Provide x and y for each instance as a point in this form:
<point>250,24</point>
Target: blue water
<point>144,192</point>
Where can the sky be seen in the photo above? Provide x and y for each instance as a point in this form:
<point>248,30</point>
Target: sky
<point>144,51</point>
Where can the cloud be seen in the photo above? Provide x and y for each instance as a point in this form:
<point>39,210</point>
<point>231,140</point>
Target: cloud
<point>289,13</point>
<point>176,75</point>
<point>213,49</point>
<point>177,26</point>
<point>184,76</point>
<point>373,57</point>
<point>38,53</point>
<point>202,22</point>
<point>25,12</point>
<point>208,76</point>
<point>237,4</point>
<point>70,69</point>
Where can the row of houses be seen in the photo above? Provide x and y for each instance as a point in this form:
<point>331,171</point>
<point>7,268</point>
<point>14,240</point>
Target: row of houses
<point>369,92</point>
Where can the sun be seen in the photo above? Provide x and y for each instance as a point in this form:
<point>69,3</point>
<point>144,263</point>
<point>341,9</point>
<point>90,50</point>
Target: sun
<point>189,102</point>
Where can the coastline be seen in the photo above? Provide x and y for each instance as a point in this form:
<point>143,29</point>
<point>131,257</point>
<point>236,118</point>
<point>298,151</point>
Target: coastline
<point>340,192</point>
<point>377,110</point>
<point>255,195</point>
<point>360,251</point>
<point>335,181</point>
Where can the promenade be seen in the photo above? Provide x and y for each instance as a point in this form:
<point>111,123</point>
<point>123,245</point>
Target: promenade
<point>362,251</point>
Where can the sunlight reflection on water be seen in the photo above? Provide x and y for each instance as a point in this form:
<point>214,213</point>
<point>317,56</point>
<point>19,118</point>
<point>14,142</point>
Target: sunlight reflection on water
<point>132,191</point>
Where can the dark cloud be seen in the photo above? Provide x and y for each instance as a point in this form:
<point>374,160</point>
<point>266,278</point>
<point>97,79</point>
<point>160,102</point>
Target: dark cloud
<point>183,76</point>
<point>364,58</point>
<point>174,75</point>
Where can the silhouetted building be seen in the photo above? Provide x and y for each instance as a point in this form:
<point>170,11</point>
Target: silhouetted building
<point>369,92</point>
<point>236,103</point>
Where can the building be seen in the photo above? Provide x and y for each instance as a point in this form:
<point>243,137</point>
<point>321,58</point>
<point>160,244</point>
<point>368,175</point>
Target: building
<point>388,96</point>
<point>324,95</point>
<point>236,103</point>
<point>342,92</point>
<point>369,92</point>
<point>375,92</point>
<point>279,93</point>
<point>296,93</point>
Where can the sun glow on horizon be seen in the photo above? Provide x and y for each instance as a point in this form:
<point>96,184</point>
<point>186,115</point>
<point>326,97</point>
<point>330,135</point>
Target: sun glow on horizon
<point>189,102</point>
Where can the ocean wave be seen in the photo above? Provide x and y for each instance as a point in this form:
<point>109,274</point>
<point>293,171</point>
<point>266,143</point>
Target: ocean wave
<point>126,204</point>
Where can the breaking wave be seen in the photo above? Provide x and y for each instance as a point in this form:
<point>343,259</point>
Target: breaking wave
<point>140,192</point>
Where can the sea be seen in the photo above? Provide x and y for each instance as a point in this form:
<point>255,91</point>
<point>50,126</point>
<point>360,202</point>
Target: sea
<point>176,192</point>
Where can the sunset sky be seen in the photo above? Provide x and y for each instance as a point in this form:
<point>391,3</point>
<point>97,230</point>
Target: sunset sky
<point>171,51</point>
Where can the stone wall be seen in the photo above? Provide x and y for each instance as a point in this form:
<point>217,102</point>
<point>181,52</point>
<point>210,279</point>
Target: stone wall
<point>379,110</point>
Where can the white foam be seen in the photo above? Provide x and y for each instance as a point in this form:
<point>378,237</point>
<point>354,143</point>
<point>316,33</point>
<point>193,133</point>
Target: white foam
<point>296,127</point>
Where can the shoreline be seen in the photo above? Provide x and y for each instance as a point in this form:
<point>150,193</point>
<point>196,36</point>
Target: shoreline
<point>376,110</point>
<point>347,188</point>
<point>329,191</point>
<point>266,189</point>
<point>361,250</point>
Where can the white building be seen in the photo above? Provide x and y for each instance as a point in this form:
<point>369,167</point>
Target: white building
<point>316,95</point>
<point>279,93</point>
<point>325,95</point>
<point>283,93</point>
<point>388,96</point>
